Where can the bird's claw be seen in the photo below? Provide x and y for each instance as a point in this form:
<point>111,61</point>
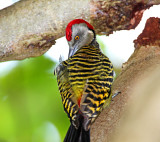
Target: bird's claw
<point>115,94</point>
<point>60,59</point>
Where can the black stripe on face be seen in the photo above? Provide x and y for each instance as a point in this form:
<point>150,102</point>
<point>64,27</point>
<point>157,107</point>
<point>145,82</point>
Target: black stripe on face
<point>94,36</point>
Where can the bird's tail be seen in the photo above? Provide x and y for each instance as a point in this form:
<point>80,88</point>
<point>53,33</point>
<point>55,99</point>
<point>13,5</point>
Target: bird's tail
<point>77,135</point>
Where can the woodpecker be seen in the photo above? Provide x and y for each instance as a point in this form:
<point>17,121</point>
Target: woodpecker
<point>84,80</point>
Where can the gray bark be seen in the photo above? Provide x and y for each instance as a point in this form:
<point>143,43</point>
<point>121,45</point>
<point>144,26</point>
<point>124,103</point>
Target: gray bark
<point>30,27</point>
<point>133,115</point>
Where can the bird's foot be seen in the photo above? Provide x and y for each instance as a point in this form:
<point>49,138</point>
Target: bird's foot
<point>115,94</point>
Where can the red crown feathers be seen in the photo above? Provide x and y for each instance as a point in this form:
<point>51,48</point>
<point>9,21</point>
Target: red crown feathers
<point>69,27</point>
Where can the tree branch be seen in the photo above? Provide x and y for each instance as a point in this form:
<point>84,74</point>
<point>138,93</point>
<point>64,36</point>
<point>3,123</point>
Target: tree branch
<point>30,27</point>
<point>118,122</point>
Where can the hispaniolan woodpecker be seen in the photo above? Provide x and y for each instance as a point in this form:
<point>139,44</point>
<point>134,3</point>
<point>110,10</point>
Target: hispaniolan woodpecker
<point>84,80</point>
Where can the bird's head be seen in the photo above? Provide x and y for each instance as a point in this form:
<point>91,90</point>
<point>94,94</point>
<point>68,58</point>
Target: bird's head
<point>79,33</point>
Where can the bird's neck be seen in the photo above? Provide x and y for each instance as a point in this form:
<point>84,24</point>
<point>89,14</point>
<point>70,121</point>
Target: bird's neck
<point>86,50</point>
<point>94,43</point>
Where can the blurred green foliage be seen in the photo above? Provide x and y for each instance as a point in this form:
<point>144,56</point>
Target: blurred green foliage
<point>30,103</point>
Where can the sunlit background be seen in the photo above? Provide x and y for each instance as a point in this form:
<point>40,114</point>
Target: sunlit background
<point>30,103</point>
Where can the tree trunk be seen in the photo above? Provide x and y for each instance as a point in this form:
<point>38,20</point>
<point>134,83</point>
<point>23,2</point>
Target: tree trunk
<point>30,27</point>
<point>134,115</point>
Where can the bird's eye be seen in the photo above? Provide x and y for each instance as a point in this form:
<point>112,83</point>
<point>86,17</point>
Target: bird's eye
<point>77,37</point>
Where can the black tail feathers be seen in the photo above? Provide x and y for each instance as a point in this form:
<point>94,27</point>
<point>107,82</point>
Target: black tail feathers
<point>77,135</point>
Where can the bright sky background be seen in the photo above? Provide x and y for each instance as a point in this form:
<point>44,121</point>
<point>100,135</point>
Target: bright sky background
<point>119,45</point>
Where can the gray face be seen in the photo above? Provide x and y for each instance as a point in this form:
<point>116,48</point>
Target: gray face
<point>85,35</point>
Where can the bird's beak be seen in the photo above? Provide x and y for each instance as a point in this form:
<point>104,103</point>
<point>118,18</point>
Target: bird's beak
<point>72,51</point>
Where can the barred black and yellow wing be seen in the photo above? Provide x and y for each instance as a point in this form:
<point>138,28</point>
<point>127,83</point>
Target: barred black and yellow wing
<point>67,94</point>
<point>84,82</point>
